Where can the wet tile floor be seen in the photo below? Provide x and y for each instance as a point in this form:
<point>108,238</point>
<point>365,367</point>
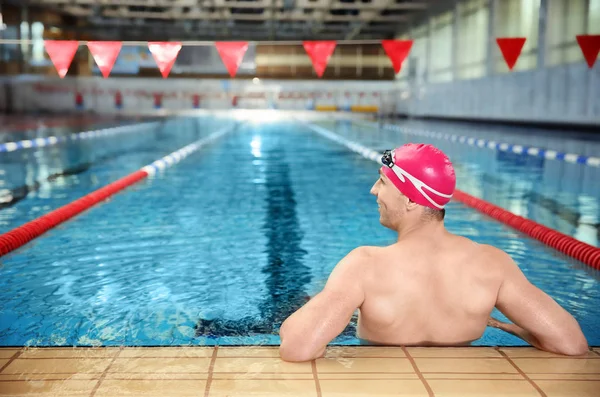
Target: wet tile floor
<point>258,371</point>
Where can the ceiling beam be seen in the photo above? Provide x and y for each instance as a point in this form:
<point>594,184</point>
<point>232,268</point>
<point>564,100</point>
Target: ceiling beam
<point>140,3</point>
<point>192,17</point>
<point>358,27</point>
<point>287,4</point>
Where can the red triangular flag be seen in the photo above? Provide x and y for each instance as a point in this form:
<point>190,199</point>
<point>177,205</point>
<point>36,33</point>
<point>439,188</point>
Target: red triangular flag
<point>61,53</point>
<point>165,54</point>
<point>590,46</point>
<point>319,53</point>
<point>511,49</point>
<point>105,54</point>
<point>397,51</point>
<point>232,53</point>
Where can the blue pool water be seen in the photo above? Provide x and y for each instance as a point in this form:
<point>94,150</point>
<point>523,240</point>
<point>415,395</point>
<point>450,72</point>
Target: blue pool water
<point>56,175</point>
<point>222,247</point>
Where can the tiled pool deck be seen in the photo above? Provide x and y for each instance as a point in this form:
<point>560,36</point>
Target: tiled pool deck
<point>258,371</point>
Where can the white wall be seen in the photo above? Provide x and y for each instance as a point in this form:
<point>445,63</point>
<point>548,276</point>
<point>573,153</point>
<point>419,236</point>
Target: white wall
<point>567,93</point>
<point>561,94</point>
<point>561,90</point>
<point>43,94</point>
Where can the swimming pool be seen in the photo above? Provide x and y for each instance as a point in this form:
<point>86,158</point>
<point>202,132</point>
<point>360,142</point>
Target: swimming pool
<point>222,247</point>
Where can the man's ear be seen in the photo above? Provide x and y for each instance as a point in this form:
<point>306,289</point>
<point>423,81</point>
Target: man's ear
<point>411,205</point>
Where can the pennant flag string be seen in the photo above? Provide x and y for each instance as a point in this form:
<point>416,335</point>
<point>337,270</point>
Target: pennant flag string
<point>105,53</point>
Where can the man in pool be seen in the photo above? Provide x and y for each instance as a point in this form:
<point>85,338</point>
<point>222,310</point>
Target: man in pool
<point>431,287</point>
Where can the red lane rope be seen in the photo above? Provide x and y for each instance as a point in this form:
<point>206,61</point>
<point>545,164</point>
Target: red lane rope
<point>568,245</point>
<point>21,235</point>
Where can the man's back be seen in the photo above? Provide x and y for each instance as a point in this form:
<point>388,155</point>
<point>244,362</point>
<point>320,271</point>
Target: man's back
<point>428,292</point>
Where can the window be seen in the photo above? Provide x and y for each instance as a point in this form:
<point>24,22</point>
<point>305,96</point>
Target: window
<point>37,36</point>
<point>518,18</point>
<point>472,45</point>
<point>440,63</point>
<point>593,21</point>
<point>418,54</point>
<point>407,65</point>
<point>566,20</point>
<point>24,36</point>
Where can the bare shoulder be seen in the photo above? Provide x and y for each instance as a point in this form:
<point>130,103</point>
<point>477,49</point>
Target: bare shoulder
<point>366,252</point>
<point>360,260</point>
<point>355,260</point>
<point>496,257</point>
<point>494,253</point>
<point>351,270</point>
<point>371,255</point>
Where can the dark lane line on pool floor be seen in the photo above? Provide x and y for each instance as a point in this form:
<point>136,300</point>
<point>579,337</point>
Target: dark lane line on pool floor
<point>286,275</point>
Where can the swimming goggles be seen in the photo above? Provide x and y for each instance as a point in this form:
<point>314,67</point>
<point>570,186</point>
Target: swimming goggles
<point>388,160</point>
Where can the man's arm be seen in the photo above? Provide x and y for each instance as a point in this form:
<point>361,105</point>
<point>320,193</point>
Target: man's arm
<point>306,333</point>
<point>537,318</point>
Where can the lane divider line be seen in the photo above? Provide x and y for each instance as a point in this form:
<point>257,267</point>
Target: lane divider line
<point>53,140</point>
<point>23,234</point>
<point>493,145</point>
<point>563,243</point>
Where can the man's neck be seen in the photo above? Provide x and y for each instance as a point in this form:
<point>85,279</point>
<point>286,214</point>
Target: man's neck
<point>426,230</point>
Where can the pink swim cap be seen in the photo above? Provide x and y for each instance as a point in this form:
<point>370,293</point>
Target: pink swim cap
<point>421,172</point>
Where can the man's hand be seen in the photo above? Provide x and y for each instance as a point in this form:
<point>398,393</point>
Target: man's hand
<point>494,323</point>
<point>506,327</point>
<point>516,331</point>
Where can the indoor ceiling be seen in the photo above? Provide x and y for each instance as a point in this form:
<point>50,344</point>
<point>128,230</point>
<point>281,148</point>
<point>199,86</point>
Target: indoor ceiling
<point>241,19</point>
